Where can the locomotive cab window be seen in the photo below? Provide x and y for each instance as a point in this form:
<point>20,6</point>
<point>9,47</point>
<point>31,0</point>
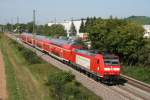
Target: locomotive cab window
<point>111,60</point>
<point>115,62</point>
<point>107,62</point>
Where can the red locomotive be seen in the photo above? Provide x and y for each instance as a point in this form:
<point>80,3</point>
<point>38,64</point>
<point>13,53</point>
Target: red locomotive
<point>102,66</point>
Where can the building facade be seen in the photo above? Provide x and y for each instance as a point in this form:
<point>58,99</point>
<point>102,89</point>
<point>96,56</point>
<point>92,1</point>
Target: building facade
<point>67,25</point>
<point>147,31</point>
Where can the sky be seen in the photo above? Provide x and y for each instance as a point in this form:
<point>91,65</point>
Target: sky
<point>49,10</point>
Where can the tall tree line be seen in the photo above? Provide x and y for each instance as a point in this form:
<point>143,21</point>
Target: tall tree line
<point>55,29</point>
<point>119,36</point>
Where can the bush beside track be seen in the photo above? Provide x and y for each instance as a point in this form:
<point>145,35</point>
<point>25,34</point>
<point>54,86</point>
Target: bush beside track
<point>139,73</point>
<point>43,73</point>
<point>29,55</point>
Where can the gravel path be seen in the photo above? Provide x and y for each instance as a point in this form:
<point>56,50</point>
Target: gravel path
<point>3,88</point>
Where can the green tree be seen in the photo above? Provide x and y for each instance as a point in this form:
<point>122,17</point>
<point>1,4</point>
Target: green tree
<point>57,29</point>
<point>72,30</point>
<point>22,27</point>
<point>8,27</point>
<point>82,27</point>
<point>30,27</point>
<point>1,28</point>
<point>46,30</point>
<point>40,29</point>
<point>118,36</point>
<point>89,22</point>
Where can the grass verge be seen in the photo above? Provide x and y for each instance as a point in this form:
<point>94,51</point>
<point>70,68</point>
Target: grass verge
<point>139,73</point>
<point>10,73</point>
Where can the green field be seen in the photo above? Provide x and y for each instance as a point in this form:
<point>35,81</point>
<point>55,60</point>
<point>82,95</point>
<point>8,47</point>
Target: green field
<point>27,76</point>
<point>138,72</point>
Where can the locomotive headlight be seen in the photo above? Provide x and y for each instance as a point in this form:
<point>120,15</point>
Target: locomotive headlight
<point>107,69</point>
<point>116,69</point>
<point>97,68</point>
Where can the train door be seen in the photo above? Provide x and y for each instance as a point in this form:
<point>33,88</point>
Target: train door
<point>95,65</point>
<point>99,65</point>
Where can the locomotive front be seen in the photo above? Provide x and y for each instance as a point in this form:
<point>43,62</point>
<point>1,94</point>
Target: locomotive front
<point>111,67</point>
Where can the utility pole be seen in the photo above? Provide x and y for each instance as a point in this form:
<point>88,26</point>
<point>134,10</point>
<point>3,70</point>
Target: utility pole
<point>34,33</point>
<point>12,24</point>
<point>17,24</point>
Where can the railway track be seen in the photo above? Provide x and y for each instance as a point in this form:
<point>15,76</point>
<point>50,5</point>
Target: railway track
<point>139,84</point>
<point>132,90</point>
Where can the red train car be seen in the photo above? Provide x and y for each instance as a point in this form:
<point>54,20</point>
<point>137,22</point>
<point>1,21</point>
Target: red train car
<point>64,48</point>
<point>27,38</point>
<point>103,66</point>
<point>41,42</point>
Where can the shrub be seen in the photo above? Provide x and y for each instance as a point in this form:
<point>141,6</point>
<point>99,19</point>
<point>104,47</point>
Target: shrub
<point>73,92</point>
<point>58,78</point>
<point>58,81</point>
<point>29,55</point>
<point>65,87</point>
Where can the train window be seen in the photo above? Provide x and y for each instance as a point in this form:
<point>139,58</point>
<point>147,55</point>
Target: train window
<point>115,62</point>
<point>111,62</point>
<point>107,62</point>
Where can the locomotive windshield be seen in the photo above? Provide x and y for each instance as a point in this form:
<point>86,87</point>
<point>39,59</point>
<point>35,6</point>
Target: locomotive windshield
<point>111,60</point>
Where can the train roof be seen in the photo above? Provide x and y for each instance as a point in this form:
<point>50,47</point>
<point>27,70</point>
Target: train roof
<point>86,52</point>
<point>41,37</point>
<point>61,42</point>
<point>106,55</point>
<point>30,34</point>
